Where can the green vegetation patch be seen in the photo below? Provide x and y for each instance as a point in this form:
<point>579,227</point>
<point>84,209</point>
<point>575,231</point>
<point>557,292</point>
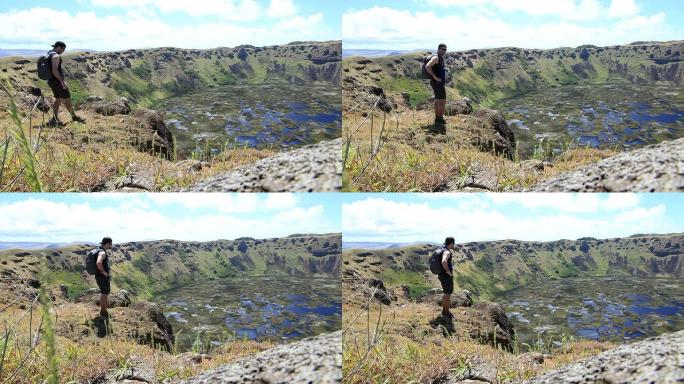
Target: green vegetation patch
<point>416,283</point>
<point>74,282</point>
<point>417,89</point>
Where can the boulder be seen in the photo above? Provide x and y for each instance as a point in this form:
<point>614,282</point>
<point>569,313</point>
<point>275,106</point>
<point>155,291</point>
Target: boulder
<point>116,299</point>
<point>654,360</point>
<point>497,135</point>
<point>105,107</point>
<point>163,334</point>
<point>312,168</point>
<point>154,121</point>
<point>459,107</point>
<point>458,299</point>
<point>656,168</point>
<point>313,360</point>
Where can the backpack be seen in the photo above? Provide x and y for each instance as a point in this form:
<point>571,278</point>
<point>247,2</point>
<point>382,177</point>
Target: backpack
<point>91,261</point>
<point>436,261</point>
<point>45,67</point>
<point>423,70</point>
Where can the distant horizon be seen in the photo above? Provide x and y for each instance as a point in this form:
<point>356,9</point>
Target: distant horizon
<point>636,42</point>
<point>507,239</point>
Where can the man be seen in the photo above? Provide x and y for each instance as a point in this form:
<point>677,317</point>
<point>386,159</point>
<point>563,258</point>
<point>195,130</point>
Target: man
<point>59,87</point>
<point>436,69</point>
<point>102,275</point>
<point>446,277</point>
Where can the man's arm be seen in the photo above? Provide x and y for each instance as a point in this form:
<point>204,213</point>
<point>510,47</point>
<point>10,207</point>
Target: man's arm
<point>55,70</point>
<point>428,67</point>
<point>100,260</point>
<point>445,263</point>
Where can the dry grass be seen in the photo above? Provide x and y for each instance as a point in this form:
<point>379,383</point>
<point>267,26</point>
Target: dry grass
<point>407,350</point>
<point>92,358</point>
<point>413,156</point>
<point>100,153</point>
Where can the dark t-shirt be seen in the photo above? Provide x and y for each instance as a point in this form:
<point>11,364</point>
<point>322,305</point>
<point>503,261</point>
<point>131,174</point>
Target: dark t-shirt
<point>59,68</point>
<point>439,69</point>
<point>105,262</point>
<point>451,255</point>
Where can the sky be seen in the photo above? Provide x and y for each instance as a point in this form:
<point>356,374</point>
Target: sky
<point>66,218</point>
<point>107,25</point>
<point>543,24</point>
<point>407,218</point>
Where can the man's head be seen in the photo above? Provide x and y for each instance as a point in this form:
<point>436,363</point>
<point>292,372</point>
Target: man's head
<point>441,49</point>
<point>59,47</point>
<point>449,242</point>
<point>106,243</point>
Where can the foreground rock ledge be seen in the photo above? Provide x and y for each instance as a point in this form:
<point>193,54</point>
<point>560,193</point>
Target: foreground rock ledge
<point>313,360</point>
<point>313,168</point>
<point>656,168</point>
<point>655,360</point>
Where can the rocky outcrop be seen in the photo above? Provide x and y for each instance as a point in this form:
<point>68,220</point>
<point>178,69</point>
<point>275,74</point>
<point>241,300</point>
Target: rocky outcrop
<point>162,139</point>
<point>459,107</point>
<point>106,108</point>
<point>656,168</point>
<point>654,360</point>
<point>500,138</point>
<point>313,168</point>
<point>116,299</point>
<point>313,360</point>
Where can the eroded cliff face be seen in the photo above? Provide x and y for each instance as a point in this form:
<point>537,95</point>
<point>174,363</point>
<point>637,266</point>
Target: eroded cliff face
<point>146,75</point>
<point>144,268</point>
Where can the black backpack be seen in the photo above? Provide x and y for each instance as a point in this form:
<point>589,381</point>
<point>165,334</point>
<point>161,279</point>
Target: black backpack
<point>436,261</point>
<point>45,66</point>
<point>91,261</point>
<point>423,70</point>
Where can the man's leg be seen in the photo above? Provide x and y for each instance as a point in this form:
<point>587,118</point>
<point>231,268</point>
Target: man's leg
<point>55,108</point>
<point>440,106</point>
<point>446,303</point>
<point>104,303</point>
<point>70,108</point>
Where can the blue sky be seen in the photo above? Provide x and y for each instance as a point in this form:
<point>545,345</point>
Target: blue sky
<point>468,24</point>
<point>123,24</point>
<point>405,218</point>
<point>64,218</point>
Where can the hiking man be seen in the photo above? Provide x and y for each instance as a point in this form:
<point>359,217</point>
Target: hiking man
<point>437,71</point>
<point>102,275</point>
<point>59,86</point>
<point>446,277</point>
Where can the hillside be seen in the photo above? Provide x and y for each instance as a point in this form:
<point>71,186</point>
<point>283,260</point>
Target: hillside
<point>147,75</point>
<point>488,75</point>
<point>489,268</point>
<point>150,267</point>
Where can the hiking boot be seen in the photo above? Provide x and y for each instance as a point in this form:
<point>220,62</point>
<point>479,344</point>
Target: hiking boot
<point>104,314</point>
<point>448,315</point>
<point>440,120</point>
<point>78,118</point>
<point>54,123</point>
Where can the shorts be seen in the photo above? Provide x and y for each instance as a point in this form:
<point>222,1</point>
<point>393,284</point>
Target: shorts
<point>58,91</point>
<point>103,283</point>
<point>447,283</point>
<point>439,89</point>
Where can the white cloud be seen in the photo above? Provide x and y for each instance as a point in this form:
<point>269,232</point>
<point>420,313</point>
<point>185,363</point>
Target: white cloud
<point>132,218</point>
<point>377,219</point>
<point>226,9</point>
<point>566,202</point>
<point>38,27</point>
<point>281,8</point>
<point>389,28</point>
<point>623,8</point>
